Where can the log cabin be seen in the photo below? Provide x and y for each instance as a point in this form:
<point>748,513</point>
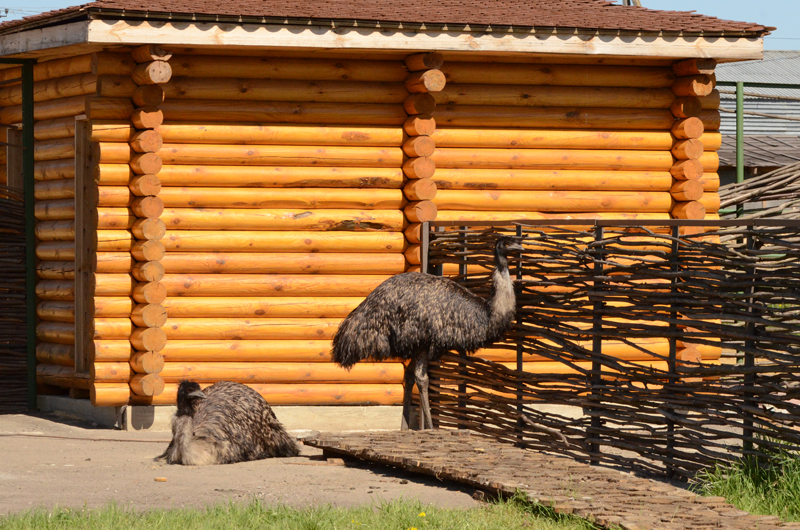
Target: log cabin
<point>217,185</point>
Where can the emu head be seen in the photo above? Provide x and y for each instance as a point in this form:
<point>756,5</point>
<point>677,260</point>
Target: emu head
<point>504,245</point>
<point>188,394</point>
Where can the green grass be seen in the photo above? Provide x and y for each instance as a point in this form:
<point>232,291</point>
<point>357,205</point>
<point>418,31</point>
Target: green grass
<point>762,486</point>
<point>395,515</point>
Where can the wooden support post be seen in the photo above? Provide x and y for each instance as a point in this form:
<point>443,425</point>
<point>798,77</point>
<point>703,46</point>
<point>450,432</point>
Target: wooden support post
<point>85,245</point>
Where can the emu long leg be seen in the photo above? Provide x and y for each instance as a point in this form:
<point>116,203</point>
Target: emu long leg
<point>408,386</point>
<point>421,375</point>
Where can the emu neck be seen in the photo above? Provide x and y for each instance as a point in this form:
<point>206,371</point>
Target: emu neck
<point>503,301</point>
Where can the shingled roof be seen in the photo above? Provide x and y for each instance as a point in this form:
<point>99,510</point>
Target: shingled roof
<point>567,14</point>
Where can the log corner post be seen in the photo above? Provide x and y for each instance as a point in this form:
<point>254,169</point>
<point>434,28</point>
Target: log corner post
<point>424,77</point>
<point>149,315</point>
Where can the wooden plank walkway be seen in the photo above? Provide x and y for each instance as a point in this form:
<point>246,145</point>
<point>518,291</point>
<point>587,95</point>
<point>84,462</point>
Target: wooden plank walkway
<point>605,496</point>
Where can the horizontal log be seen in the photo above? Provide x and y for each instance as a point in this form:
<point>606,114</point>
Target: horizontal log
<point>688,149</point>
<point>261,307</point>
<point>558,74</point>
<point>467,215</point>
<point>552,158</point>
<point>54,170</point>
<point>57,311</point>
<point>689,210</point>
<point>555,96</point>
<point>420,211</point>
<point>55,230</point>
<point>276,155</point>
<point>712,141</point>
<point>149,316</point>
<point>144,185</point>
<point>56,332</point>
<point>688,128</point>
<point>414,233</point>
<point>303,263</point>
<point>114,153</point>
<point>53,210</point>
<point>334,198</point>
<point>146,141</point>
<point>110,372</point>
<point>148,339</point>
<point>178,351</point>
<point>553,201</point>
<point>710,161</point>
<point>147,362</point>
<point>62,376</point>
<point>59,354</point>
<point>414,254</point>
<point>420,190</point>
<point>57,149</point>
<point>244,134</point>
<point>147,117</point>
<point>150,293</point>
<point>147,384</point>
<point>553,117</point>
<point>109,394</point>
<point>419,168</point>
<point>686,190</point>
<point>262,241</point>
<point>147,207</point>
<point>111,63</point>
<point>711,119</point>
<point>115,240</point>
<point>703,66</point>
<point>47,110</point>
<point>147,250</point>
<point>693,85</point>
<point>365,373</point>
<point>112,350</point>
<point>249,329</point>
<point>149,229</point>
<point>284,112</point>
<point>710,202</point>
<point>115,86</point>
<point>277,219</point>
<point>146,163</point>
<point>114,262</point>
<point>112,130</point>
<point>287,68</point>
<point>425,81</point>
<point>112,328</point>
<point>151,73</point>
<point>531,179</point>
<point>56,270</point>
<point>114,174</point>
<point>645,349</point>
<point>99,108</point>
<point>148,271</point>
<point>113,306</point>
<point>150,52</point>
<point>80,64</point>
<point>56,250</point>
<point>418,146</point>
<point>419,125</point>
<point>553,139</point>
<point>280,177</point>
<point>303,394</point>
<point>54,189</point>
<point>56,128</point>
<point>109,284</point>
<point>272,285</point>
<point>316,91</point>
<point>687,170</point>
<point>55,290</point>
<point>711,101</point>
<point>710,182</point>
<point>419,104</point>
<point>148,96</point>
<point>424,61</point>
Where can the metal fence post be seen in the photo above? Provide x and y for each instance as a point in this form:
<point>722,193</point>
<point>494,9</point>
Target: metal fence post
<point>673,339</point>
<point>597,340</point>
<point>30,223</point>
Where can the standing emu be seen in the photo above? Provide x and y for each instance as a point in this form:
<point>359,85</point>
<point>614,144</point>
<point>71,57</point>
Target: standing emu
<point>420,317</point>
<point>226,423</point>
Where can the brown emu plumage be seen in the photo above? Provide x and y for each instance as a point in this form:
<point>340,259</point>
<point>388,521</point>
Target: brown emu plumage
<point>420,317</point>
<point>225,423</point>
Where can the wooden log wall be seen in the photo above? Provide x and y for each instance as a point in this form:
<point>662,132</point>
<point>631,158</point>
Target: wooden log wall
<point>549,141</point>
<point>63,89</point>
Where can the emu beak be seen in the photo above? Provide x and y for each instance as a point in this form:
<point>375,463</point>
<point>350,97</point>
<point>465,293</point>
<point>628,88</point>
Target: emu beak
<point>515,246</point>
<point>198,394</point>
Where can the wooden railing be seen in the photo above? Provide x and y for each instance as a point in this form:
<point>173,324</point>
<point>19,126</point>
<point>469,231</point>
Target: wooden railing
<point>664,346</point>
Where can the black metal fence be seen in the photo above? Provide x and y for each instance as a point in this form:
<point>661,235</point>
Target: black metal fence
<point>665,345</point>
<point>13,333</point>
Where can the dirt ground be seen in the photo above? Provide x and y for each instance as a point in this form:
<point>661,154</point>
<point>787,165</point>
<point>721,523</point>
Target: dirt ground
<point>47,461</point>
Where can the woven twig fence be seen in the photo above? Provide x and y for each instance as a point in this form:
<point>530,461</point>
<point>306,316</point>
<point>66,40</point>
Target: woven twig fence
<point>773,194</point>
<point>13,338</point>
<point>583,289</point>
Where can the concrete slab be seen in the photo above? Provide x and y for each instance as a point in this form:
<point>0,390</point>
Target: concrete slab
<point>81,409</point>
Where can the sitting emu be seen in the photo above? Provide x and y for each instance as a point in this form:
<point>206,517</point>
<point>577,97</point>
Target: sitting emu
<point>421,317</point>
<point>226,423</point>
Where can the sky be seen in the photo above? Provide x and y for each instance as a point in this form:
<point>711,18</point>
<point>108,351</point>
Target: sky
<point>782,14</point>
